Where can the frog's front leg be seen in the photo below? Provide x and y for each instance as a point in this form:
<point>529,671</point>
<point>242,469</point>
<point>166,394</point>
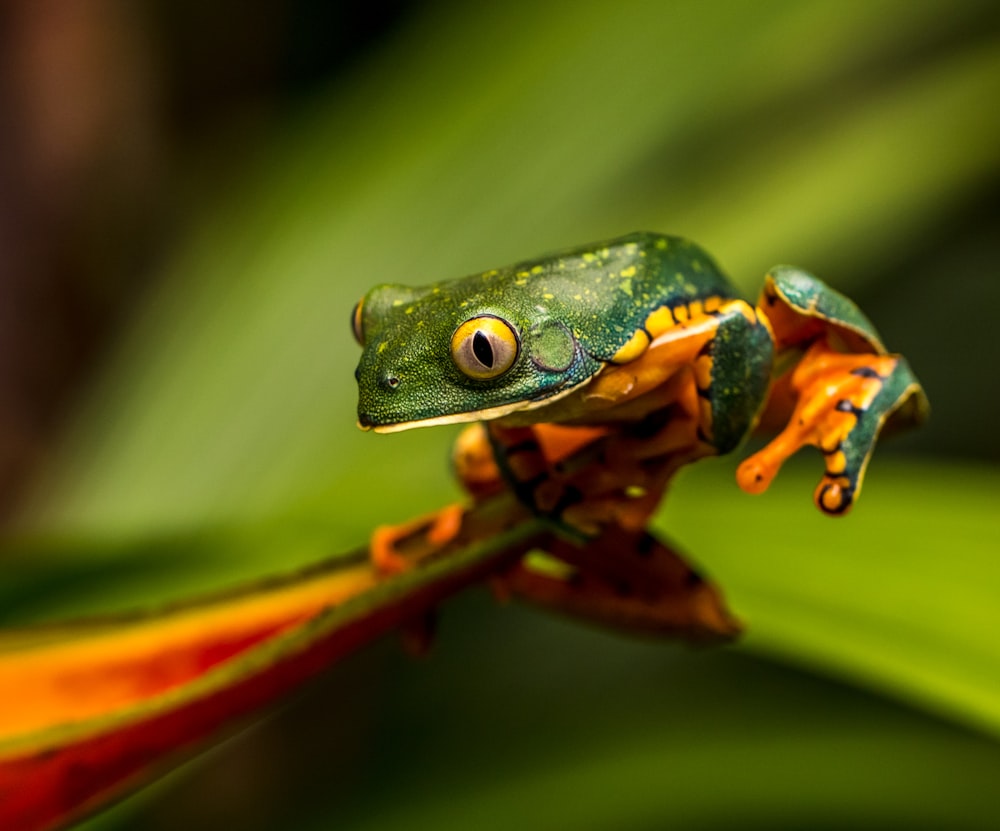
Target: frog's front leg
<point>838,396</point>
<point>841,402</point>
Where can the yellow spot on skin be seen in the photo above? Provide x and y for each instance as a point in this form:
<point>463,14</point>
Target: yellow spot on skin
<point>744,309</point>
<point>661,244</point>
<point>633,348</point>
<point>382,347</point>
<point>589,257</point>
<point>548,296</point>
<point>537,269</point>
<point>547,566</point>
<point>409,310</point>
<point>659,321</point>
<point>397,303</point>
<point>578,296</point>
<point>522,274</point>
<point>628,272</point>
<point>626,286</point>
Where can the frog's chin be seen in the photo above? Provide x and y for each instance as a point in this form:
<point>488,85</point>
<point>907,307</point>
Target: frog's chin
<point>488,414</point>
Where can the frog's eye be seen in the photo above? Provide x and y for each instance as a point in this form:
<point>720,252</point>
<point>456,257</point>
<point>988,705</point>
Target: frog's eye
<point>359,335</point>
<point>484,347</point>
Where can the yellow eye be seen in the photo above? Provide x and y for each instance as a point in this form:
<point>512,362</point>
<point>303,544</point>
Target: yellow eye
<point>359,336</point>
<point>484,347</point>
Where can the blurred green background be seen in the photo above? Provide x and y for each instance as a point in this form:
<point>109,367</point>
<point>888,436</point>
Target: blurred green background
<point>193,196</point>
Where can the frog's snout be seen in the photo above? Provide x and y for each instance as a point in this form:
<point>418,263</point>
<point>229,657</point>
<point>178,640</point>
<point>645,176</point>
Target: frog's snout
<point>374,397</point>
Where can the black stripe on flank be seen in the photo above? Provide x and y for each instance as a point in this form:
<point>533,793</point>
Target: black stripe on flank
<point>526,446</point>
<point>569,496</point>
<point>704,393</point>
<point>644,547</point>
<point>707,349</point>
<point>650,425</point>
<point>693,578</point>
<point>529,486</point>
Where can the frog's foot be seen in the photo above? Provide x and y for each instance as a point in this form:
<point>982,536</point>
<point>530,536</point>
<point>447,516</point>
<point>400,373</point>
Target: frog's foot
<point>475,467</point>
<point>627,580</point>
<point>842,402</point>
<point>431,533</point>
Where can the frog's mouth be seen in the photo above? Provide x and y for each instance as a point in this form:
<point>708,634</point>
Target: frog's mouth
<point>488,414</point>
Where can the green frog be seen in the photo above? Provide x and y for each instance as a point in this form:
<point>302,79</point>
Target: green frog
<point>591,375</point>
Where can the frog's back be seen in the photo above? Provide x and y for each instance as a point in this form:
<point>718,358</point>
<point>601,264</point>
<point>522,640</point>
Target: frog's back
<point>606,291</point>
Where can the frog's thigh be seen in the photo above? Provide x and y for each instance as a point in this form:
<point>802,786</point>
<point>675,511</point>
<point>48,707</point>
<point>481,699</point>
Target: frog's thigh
<point>719,352</point>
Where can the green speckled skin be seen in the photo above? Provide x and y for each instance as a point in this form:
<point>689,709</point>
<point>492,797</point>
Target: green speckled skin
<point>741,374</point>
<point>596,296</point>
<point>813,298</point>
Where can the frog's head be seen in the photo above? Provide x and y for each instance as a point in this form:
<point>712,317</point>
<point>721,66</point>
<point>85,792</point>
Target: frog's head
<point>460,351</point>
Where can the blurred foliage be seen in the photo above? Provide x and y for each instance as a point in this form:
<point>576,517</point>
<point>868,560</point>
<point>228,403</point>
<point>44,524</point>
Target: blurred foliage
<point>860,140</point>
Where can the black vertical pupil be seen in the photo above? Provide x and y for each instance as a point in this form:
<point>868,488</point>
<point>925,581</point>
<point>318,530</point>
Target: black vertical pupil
<point>482,349</point>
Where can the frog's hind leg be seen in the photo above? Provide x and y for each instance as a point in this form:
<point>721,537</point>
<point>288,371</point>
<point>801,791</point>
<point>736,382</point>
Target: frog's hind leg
<point>629,580</point>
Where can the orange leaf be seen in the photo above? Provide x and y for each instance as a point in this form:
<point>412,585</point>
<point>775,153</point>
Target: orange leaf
<point>90,710</point>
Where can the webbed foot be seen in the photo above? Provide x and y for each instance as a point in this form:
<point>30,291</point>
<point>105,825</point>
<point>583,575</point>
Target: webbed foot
<point>439,529</point>
<point>628,580</point>
<point>842,401</point>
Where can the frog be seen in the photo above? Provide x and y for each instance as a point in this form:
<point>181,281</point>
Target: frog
<point>588,377</point>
